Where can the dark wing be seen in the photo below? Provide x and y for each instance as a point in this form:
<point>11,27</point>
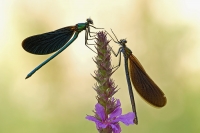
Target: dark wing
<point>49,42</point>
<point>144,85</point>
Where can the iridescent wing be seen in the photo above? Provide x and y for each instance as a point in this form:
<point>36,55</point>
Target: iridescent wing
<point>49,42</point>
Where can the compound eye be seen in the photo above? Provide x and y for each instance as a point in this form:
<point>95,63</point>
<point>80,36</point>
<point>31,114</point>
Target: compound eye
<point>90,21</point>
<point>123,41</point>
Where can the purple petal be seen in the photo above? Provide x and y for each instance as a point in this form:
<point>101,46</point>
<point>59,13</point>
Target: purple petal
<point>115,113</point>
<point>92,118</point>
<point>118,103</point>
<point>102,125</point>
<point>100,111</point>
<point>127,119</point>
<point>116,128</point>
<point>98,123</point>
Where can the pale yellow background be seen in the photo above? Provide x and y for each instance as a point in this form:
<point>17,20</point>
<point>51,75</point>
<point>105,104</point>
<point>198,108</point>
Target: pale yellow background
<point>163,35</point>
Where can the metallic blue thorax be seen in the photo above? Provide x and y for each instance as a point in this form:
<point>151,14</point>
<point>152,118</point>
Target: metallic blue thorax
<point>81,26</point>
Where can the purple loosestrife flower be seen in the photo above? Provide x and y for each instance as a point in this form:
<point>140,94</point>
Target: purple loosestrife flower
<point>112,121</point>
<point>107,111</point>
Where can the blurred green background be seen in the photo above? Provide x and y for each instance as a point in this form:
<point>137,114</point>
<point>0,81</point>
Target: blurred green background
<point>163,35</point>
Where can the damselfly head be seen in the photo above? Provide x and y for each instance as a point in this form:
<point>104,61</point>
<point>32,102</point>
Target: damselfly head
<point>123,41</point>
<point>90,21</point>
